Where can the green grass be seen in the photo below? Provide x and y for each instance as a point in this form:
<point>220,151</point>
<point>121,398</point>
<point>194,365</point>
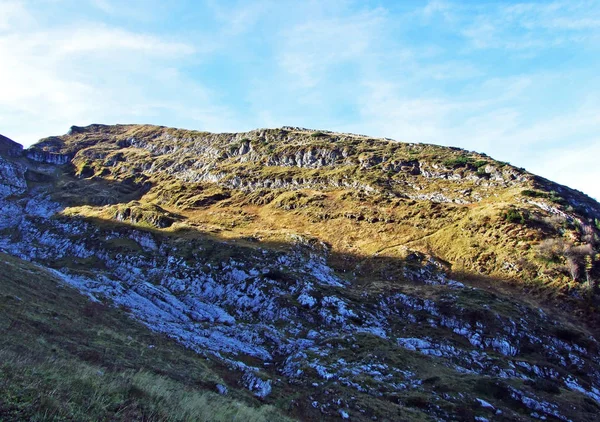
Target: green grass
<point>63,389</point>
<point>63,357</point>
<point>456,162</point>
<point>552,195</point>
<point>514,216</point>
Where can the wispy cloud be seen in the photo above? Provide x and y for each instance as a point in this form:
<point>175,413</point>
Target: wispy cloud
<point>94,72</point>
<point>526,26</point>
<point>13,13</point>
<point>311,48</point>
<point>574,167</point>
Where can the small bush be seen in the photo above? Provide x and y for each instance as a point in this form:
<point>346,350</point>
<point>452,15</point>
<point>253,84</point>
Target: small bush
<point>551,249</point>
<point>534,193</point>
<point>515,216</point>
<point>318,134</point>
<point>552,196</point>
<point>481,171</point>
<point>457,162</point>
<point>420,402</point>
<point>556,198</point>
<point>541,384</point>
<point>492,388</point>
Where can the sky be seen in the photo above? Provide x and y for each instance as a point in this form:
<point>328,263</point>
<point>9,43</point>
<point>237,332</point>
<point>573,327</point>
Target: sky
<point>519,81</point>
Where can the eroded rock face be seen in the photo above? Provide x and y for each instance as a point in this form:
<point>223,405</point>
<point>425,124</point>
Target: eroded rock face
<point>205,157</point>
<point>12,183</point>
<point>10,148</point>
<point>49,157</point>
<point>12,178</point>
<point>308,157</point>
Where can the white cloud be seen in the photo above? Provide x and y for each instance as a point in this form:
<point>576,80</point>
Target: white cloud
<point>95,38</point>
<point>448,11</point>
<point>573,167</point>
<point>242,17</point>
<point>105,5</point>
<point>436,6</point>
<point>137,10</point>
<point>92,72</point>
<point>13,13</point>
<point>532,26</point>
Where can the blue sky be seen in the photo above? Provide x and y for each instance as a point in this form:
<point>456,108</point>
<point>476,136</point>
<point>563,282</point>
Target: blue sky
<point>518,81</point>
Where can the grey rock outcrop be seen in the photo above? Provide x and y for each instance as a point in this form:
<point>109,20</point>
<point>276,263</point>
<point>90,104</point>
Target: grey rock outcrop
<point>10,148</point>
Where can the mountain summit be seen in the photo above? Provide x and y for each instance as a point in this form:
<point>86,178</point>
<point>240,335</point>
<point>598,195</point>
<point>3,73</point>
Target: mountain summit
<point>9,147</point>
<point>326,275</point>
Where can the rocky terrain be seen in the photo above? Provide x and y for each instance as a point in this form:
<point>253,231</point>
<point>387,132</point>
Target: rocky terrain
<point>330,276</point>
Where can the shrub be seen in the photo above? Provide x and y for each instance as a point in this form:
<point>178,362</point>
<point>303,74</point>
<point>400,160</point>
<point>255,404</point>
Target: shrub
<point>481,171</point>
<point>456,162</point>
<point>318,134</point>
<point>556,198</point>
<point>552,196</point>
<point>577,257</point>
<point>515,216</point>
<point>551,249</point>
<point>544,385</point>
<point>534,193</point>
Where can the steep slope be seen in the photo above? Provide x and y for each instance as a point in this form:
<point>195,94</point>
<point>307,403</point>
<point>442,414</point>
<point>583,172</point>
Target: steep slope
<point>64,357</point>
<point>321,268</point>
<point>479,215</point>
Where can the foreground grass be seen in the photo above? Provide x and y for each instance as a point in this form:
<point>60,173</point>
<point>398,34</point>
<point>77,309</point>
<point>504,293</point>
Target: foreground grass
<point>60,389</point>
<point>63,357</point>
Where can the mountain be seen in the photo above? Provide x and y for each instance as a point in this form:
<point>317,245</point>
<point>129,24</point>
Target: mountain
<point>324,275</point>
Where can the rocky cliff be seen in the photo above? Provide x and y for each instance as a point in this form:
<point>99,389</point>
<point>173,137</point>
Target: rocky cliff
<point>337,276</point>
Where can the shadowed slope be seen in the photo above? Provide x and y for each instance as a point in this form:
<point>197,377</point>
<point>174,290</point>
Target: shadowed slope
<point>64,357</point>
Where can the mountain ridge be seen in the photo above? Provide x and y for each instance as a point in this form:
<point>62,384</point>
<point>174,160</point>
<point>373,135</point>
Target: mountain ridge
<point>281,159</point>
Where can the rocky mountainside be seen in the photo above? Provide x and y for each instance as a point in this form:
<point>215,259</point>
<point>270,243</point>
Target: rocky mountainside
<point>333,276</point>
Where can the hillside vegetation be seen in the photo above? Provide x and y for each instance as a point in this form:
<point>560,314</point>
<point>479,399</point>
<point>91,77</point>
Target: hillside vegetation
<point>310,274</point>
<point>478,215</point>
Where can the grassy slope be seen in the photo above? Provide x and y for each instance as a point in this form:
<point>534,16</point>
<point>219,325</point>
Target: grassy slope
<point>476,239</point>
<point>63,357</point>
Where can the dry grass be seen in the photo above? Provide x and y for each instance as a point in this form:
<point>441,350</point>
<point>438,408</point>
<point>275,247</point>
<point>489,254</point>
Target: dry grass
<point>373,218</point>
